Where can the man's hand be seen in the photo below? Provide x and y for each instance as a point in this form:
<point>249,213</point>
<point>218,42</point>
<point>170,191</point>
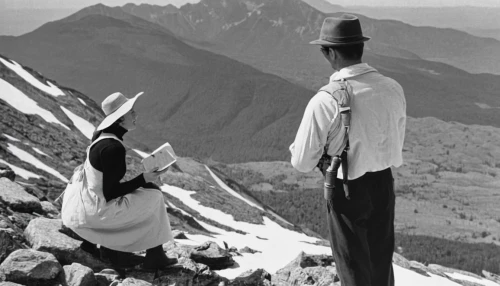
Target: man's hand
<point>153,175</point>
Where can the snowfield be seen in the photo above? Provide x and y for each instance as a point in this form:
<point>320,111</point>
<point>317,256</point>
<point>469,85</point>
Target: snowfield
<point>28,158</point>
<point>48,88</point>
<point>25,174</point>
<point>25,104</point>
<point>83,125</point>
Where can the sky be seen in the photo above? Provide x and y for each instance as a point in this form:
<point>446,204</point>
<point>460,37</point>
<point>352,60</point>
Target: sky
<point>69,4</point>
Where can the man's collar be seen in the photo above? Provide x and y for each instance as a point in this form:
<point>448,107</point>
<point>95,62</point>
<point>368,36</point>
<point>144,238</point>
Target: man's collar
<point>352,71</point>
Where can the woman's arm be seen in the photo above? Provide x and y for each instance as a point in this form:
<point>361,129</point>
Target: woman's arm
<point>113,170</point>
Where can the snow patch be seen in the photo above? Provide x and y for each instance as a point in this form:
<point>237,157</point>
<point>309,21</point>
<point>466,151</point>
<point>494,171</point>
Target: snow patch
<point>463,277</point>
<point>25,104</point>
<point>20,171</point>
<point>277,23</point>
<point>485,106</point>
<point>229,26</point>
<point>11,138</point>
<point>276,251</point>
<point>28,158</point>
<point>231,191</point>
<point>81,100</point>
<point>433,72</point>
<point>83,125</point>
<point>405,277</point>
<point>40,152</point>
<point>48,88</point>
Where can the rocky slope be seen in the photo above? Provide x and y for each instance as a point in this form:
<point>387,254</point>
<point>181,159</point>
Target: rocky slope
<point>228,235</point>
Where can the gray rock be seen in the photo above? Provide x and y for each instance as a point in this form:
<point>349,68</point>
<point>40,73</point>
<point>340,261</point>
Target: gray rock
<point>49,209</point>
<point>179,234</point>
<point>186,273</point>
<point>77,275</point>
<point>14,196</point>
<point>247,249</point>
<point>6,172</point>
<point>8,243</point>
<point>307,269</point>
<point>135,282</point>
<point>106,277</point>
<point>419,268</point>
<point>491,276</point>
<point>45,235</point>
<point>259,277</point>
<point>9,284</point>
<point>399,260</point>
<point>209,253</point>
<point>31,267</point>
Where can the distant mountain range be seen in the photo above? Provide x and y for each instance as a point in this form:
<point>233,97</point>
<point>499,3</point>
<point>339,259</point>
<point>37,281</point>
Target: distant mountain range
<point>204,104</point>
<point>245,26</point>
<point>478,21</point>
<point>208,105</point>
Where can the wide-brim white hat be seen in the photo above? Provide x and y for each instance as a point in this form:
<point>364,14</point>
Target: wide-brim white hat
<point>115,106</point>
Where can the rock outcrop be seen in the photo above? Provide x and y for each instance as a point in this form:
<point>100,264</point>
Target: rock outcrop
<point>31,267</point>
<point>45,234</point>
<point>15,197</point>
<point>6,172</point>
<point>308,270</point>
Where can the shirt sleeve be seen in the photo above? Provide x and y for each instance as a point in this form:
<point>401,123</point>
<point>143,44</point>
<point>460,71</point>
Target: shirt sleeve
<point>113,170</point>
<point>311,137</point>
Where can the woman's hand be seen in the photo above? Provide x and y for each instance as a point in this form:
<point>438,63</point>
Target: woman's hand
<point>153,175</point>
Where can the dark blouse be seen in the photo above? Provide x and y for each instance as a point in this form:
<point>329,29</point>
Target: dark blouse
<point>108,156</point>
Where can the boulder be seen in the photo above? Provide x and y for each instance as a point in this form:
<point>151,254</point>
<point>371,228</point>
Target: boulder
<point>8,243</point>
<point>34,190</point>
<point>247,249</point>
<point>49,209</point>
<point>491,276</point>
<point>6,172</point>
<point>179,234</point>
<point>209,253</point>
<point>318,270</point>
<point>399,260</point>
<point>15,197</point>
<point>106,277</point>
<point>419,268</point>
<point>259,277</point>
<point>135,282</point>
<point>77,275</point>
<point>186,273</point>
<point>31,267</point>
<point>45,234</point>
<point>9,284</point>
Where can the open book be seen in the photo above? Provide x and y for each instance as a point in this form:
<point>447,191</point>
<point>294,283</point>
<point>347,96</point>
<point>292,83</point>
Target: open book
<point>162,157</point>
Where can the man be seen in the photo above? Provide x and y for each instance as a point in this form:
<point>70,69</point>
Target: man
<point>361,222</point>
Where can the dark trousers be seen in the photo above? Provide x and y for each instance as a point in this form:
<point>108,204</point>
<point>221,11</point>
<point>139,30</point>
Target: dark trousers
<point>362,230</point>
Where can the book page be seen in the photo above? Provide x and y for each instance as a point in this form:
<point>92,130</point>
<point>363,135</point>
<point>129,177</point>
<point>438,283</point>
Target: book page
<point>162,157</point>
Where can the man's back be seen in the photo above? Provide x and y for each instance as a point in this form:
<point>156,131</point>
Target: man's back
<point>378,123</point>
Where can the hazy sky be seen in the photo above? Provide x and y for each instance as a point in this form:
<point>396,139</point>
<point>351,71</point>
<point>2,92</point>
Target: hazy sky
<point>10,4</point>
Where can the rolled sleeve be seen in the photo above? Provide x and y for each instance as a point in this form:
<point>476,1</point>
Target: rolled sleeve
<point>311,137</point>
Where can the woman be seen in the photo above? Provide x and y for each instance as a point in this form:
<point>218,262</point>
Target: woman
<point>122,217</point>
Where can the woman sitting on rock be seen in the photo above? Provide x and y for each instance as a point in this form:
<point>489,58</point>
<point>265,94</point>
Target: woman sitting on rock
<point>122,217</point>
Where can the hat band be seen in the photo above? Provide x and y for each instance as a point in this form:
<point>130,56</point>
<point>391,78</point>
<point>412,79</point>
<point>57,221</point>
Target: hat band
<point>339,39</point>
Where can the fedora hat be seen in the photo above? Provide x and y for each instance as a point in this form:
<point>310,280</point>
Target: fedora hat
<point>115,106</point>
<point>340,31</point>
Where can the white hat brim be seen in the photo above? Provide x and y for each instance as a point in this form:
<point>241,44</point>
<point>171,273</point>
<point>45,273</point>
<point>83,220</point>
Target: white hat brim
<point>122,110</point>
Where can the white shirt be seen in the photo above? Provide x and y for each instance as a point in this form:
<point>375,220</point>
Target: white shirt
<point>377,131</point>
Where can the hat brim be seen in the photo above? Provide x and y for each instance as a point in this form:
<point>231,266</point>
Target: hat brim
<point>331,44</point>
<point>122,110</point>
